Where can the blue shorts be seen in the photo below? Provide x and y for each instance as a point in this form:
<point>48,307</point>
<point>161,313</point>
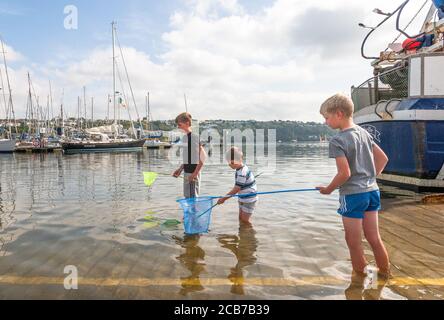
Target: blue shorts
<point>356,205</point>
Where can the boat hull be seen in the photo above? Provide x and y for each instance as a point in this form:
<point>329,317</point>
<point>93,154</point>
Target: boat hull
<point>7,146</point>
<point>160,145</point>
<point>80,147</point>
<point>415,150</point>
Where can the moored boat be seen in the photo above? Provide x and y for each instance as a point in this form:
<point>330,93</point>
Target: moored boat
<point>7,146</point>
<point>402,106</point>
<point>102,143</point>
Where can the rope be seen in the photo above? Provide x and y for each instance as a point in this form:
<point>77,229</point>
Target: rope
<point>129,83</point>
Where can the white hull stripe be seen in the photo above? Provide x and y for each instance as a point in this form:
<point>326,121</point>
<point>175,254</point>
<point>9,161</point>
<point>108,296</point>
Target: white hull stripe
<point>433,183</point>
<point>404,115</point>
<point>441,174</point>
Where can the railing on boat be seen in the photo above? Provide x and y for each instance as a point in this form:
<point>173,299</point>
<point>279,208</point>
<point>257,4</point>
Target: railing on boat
<point>392,84</point>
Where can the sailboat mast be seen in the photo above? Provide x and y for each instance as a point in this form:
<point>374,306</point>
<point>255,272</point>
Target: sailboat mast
<point>148,112</point>
<point>39,113</point>
<point>114,70</point>
<point>92,112</point>
<point>47,116</point>
<point>31,108</point>
<point>10,108</point>
<point>61,113</point>
<point>52,104</point>
<point>109,101</point>
<point>84,106</point>
<point>78,113</point>
<point>4,95</point>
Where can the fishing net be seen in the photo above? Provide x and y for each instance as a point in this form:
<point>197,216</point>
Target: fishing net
<point>149,178</point>
<point>197,214</point>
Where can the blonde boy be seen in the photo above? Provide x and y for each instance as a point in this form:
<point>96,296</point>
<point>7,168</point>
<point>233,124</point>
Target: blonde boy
<point>359,161</point>
<point>245,183</point>
<point>193,157</point>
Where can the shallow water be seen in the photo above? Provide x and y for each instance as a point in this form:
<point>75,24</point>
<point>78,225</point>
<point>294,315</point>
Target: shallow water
<point>93,211</point>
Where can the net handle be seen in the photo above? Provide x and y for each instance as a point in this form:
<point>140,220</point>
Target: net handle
<point>258,193</point>
<point>214,206</point>
<point>265,193</point>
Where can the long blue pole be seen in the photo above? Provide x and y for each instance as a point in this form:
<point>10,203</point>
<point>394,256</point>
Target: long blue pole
<point>248,195</point>
<point>257,194</point>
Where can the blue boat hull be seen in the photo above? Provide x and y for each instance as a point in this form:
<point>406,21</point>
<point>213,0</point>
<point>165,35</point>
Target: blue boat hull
<point>415,148</point>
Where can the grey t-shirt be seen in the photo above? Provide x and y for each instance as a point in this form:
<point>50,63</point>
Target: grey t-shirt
<point>356,144</point>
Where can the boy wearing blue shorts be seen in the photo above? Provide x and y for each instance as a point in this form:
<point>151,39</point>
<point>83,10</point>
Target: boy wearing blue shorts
<point>359,161</point>
<point>245,183</point>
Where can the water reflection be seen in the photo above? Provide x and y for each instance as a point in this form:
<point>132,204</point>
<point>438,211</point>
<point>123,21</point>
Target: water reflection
<point>243,246</point>
<point>192,259</point>
<point>1,205</point>
<point>365,287</point>
<point>100,196</point>
<point>7,210</point>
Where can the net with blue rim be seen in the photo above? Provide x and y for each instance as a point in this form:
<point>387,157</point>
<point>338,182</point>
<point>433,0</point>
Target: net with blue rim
<point>197,211</point>
<point>197,214</point>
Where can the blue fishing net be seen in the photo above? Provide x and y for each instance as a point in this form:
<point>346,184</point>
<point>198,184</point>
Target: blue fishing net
<point>197,214</point>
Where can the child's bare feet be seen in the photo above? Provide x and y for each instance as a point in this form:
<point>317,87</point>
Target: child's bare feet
<point>384,274</point>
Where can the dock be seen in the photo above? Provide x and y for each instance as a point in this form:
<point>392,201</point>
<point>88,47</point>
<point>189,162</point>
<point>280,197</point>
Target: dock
<point>413,232</point>
<point>38,149</point>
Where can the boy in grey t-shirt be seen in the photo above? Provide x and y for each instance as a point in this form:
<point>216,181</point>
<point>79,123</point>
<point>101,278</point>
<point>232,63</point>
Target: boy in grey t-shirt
<point>359,160</point>
<point>356,145</point>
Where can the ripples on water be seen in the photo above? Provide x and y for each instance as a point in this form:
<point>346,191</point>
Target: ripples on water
<point>94,211</point>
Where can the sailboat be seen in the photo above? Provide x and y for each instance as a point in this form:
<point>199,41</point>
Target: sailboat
<point>402,105</point>
<point>153,138</point>
<point>108,138</point>
<point>7,144</point>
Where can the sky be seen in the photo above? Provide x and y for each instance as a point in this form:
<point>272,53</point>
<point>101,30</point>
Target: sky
<point>233,59</point>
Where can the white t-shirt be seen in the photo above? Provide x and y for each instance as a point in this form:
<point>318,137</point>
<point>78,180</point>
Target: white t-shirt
<point>246,181</point>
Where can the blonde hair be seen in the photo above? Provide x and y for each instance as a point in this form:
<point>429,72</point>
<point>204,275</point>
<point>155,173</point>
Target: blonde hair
<point>234,155</point>
<point>338,102</point>
<point>184,118</point>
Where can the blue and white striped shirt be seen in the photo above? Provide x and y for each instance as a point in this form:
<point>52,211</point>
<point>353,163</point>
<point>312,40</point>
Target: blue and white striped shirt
<point>246,181</point>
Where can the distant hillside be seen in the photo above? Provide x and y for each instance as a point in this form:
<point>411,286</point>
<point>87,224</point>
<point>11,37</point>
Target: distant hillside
<point>286,131</point>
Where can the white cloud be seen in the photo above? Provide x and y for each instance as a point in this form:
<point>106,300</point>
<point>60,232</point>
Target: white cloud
<point>11,54</point>
<point>214,8</point>
<point>8,9</point>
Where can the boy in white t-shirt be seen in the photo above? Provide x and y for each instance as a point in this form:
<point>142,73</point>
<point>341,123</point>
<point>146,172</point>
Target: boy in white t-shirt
<point>245,183</point>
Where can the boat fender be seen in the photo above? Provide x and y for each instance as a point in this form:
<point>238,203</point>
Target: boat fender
<point>411,44</point>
